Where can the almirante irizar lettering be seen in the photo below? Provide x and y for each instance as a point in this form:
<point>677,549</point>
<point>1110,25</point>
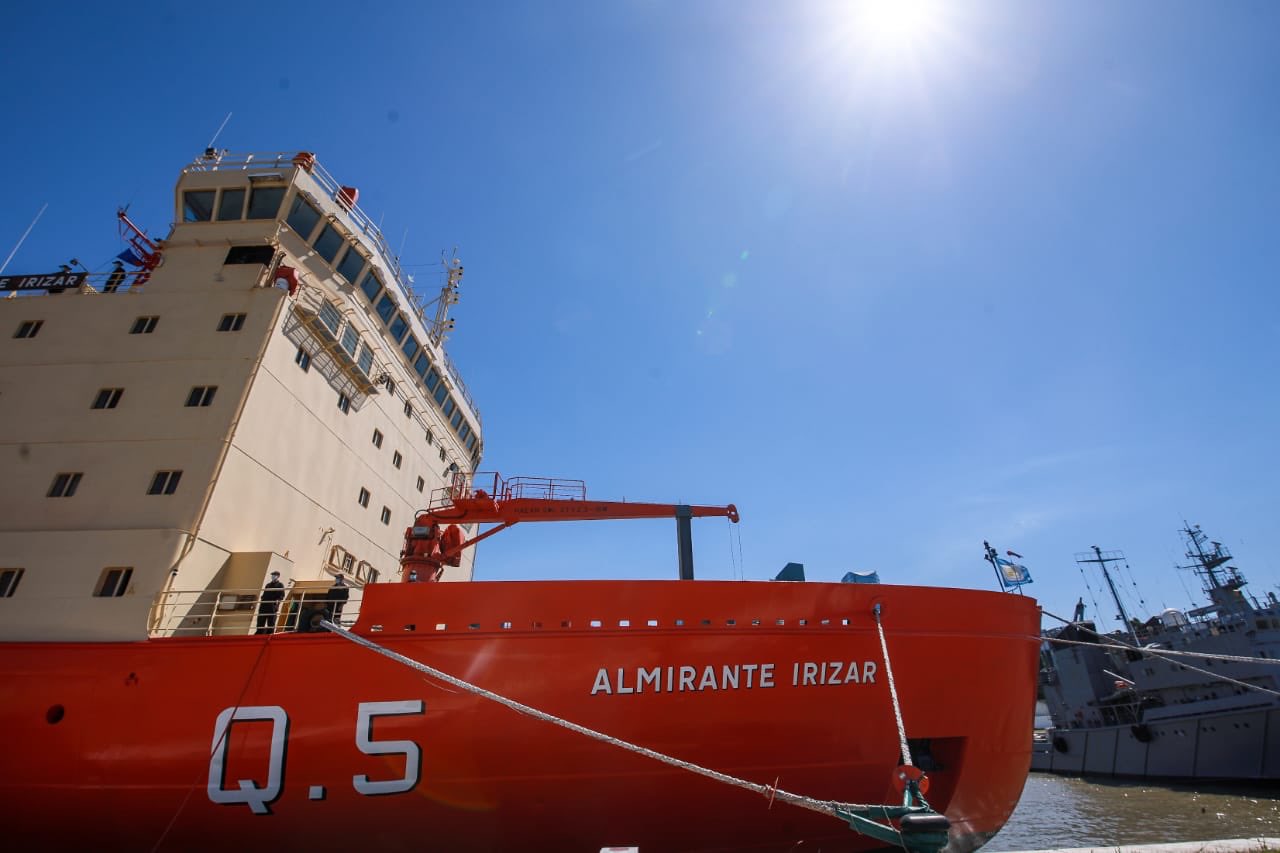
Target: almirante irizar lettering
<point>737,676</point>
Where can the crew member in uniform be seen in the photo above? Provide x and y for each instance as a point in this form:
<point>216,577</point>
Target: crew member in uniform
<point>272,595</point>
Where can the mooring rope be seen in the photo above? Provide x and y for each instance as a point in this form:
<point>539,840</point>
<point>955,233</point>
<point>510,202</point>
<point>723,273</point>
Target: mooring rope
<point>828,807</point>
<point>893,691</point>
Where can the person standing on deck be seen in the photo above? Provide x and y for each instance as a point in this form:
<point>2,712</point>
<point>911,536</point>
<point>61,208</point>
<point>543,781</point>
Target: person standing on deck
<point>272,595</point>
<point>338,595</point>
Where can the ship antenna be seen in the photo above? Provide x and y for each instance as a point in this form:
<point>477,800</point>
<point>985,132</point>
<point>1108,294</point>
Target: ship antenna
<point>23,238</point>
<point>217,133</point>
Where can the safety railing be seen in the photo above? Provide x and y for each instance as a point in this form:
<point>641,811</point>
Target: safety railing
<point>237,612</point>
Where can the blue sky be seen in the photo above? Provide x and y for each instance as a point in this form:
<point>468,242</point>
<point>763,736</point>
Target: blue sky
<point>1012,276</point>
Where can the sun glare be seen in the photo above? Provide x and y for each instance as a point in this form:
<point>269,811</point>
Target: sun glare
<point>896,26</point>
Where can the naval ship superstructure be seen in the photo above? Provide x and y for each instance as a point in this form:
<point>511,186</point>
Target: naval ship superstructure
<point>1187,695</point>
<point>264,392</point>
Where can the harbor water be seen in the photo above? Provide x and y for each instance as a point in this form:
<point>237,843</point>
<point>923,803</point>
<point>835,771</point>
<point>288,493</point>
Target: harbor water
<point>1059,811</point>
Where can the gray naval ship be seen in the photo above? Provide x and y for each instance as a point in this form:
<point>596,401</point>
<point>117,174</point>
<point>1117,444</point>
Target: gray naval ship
<point>1184,696</point>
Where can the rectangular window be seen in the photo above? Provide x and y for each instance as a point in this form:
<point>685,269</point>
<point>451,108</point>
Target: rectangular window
<point>197,206</point>
<point>390,385</point>
<point>396,459</point>
<point>344,403</point>
<point>231,323</point>
<point>447,407</point>
<point>28,329</point>
<point>144,325</point>
<point>433,378</point>
<point>302,359</point>
<point>328,243</point>
<point>421,484</point>
<point>264,202</point>
<point>441,393</point>
<point>365,361</point>
<point>386,307</point>
<point>409,348</point>
<point>113,582</point>
<point>201,396</point>
<point>377,439</point>
<point>431,437</point>
<point>164,483</point>
<point>464,431</point>
<point>348,562</point>
<point>471,442</point>
<point>386,515</point>
<point>108,398</point>
<point>352,263</point>
<point>231,205</point>
<point>457,419</point>
<point>302,217</point>
<point>330,316</point>
<point>250,255</point>
<point>9,579</point>
<point>442,453</point>
<point>408,409</point>
<point>398,327</point>
<point>363,500</point>
<point>350,340</point>
<point>422,365</point>
<point>370,286</point>
<point>65,484</point>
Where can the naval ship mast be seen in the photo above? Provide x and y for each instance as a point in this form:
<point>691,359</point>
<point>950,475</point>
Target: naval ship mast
<point>1102,559</point>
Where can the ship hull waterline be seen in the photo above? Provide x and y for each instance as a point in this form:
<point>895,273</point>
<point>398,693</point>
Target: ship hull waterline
<point>185,743</point>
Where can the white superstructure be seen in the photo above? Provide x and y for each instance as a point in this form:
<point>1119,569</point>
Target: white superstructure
<point>203,428</point>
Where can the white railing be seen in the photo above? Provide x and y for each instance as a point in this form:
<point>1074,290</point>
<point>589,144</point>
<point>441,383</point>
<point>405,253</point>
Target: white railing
<point>237,612</point>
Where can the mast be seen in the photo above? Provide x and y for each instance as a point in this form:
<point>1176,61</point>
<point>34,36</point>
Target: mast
<point>1112,557</point>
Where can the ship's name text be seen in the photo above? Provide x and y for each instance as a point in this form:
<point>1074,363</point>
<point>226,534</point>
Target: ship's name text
<point>739,676</point>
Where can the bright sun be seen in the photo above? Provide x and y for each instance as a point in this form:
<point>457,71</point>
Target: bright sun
<point>895,27</point>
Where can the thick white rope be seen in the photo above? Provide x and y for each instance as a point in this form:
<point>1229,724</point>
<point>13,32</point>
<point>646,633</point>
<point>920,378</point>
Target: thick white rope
<point>829,807</point>
<point>893,692</point>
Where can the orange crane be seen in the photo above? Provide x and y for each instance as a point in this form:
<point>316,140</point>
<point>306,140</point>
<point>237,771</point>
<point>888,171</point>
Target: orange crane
<point>435,540</point>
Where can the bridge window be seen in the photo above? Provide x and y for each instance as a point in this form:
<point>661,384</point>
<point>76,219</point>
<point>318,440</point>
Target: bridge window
<point>108,398</point>
<point>231,205</point>
<point>447,407</point>
<point>398,327</point>
<point>386,307</point>
<point>302,217</point>
<point>197,206</point>
<point>422,365</point>
<point>352,263</point>
<point>264,202</point>
<point>65,484</point>
<point>365,361</point>
<point>370,286</point>
<point>410,347</point>
<point>328,243</point>
<point>250,255</point>
<point>113,582</point>
<point>433,378</point>
<point>464,431</point>
<point>9,579</point>
<point>350,340</point>
<point>457,419</point>
<point>441,393</point>
<point>144,325</point>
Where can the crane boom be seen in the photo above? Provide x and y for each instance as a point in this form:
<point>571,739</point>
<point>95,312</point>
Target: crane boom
<point>510,501</point>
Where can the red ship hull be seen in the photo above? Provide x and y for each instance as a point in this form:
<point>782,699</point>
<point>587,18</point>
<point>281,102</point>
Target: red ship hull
<point>134,745</point>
